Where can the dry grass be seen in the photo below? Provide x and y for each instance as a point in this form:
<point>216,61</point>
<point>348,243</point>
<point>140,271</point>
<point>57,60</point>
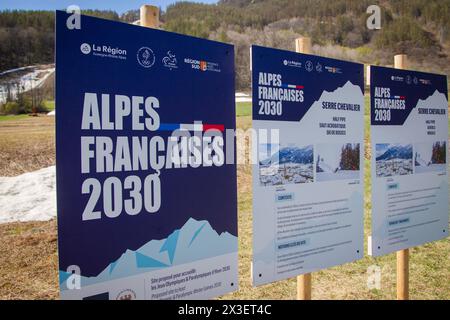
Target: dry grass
<point>26,144</point>
<point>28,258</point>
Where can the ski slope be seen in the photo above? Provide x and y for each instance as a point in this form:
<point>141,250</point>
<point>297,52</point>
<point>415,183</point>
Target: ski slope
<point>421,162</point>
<point>326,167</point>
<point>35,78</point>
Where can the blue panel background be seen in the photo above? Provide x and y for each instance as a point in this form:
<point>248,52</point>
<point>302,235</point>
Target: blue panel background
<point>272,61</point>
<point>185,95</point>
<point>382,77</point>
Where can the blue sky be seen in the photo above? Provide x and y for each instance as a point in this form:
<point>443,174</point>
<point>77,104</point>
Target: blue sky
<point>119,6</point>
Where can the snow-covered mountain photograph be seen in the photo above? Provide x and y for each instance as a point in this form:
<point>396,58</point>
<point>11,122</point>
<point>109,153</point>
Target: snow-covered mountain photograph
<point>430,157</point>
<point>337,161</point>
<point>285,164</point>
<point>393,159</point>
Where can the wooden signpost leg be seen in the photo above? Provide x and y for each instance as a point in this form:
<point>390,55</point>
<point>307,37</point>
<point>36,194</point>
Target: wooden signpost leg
<point>303,45</point>
<point>403,274</point>
<point>304,287</point>
<point>149,16</point>
<point>401,62</point>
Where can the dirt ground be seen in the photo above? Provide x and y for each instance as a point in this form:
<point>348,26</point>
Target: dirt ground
<point>28,260</point>
<point>28,251</point>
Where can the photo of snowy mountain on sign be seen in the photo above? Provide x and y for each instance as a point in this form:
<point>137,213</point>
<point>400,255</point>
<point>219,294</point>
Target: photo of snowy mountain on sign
<point>337,161</point>
<point>430,157</point>
<point>394,159</point>
<point>290,164</point>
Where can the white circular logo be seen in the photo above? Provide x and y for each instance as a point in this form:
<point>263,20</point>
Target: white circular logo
<point>146,57</point>
<point>309,66</point>
<point>408,79</point>
<point>85,48</point>
<point>285,62</point>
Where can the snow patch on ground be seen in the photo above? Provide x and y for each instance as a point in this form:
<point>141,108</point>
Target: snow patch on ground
<point>242,97</point>
<point>28,197</point>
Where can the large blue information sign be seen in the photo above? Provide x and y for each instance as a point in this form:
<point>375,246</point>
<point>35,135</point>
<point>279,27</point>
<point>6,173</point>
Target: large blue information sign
<point>146,195</point>
<point>409,132</point>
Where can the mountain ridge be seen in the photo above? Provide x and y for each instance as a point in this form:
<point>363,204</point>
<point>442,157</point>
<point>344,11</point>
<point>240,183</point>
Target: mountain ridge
<point>396,152</point>
<point>291,155</point>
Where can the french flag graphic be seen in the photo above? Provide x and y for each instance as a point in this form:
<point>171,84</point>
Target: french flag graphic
<point>191,127</point>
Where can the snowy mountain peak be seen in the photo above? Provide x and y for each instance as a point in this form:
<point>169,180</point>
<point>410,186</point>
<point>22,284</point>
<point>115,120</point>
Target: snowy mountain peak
<point>436,100</point>
<point>396,151</point>
<point>170,244</point>
<point>345,94</point>
<point>291,155</point>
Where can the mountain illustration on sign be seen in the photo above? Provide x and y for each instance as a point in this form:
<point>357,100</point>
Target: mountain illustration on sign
<point>195,240</point>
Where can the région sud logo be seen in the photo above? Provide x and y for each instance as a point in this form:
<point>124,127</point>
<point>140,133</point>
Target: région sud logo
<point>202,65</point>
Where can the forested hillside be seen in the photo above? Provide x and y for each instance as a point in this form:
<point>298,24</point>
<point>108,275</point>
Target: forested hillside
<point>27,37</point>
<point>420,28</point>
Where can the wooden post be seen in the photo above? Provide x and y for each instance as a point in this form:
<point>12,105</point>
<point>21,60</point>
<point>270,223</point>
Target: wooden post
<point>149,16</point>
<point>403,274</point>
<point>401,62</point>
<point>303,45</point>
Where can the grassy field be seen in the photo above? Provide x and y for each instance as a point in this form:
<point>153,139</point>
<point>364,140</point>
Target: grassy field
<point>9,117</point>
<point>243,109</point>
<point>49,105</point>
<point>28,265</point>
